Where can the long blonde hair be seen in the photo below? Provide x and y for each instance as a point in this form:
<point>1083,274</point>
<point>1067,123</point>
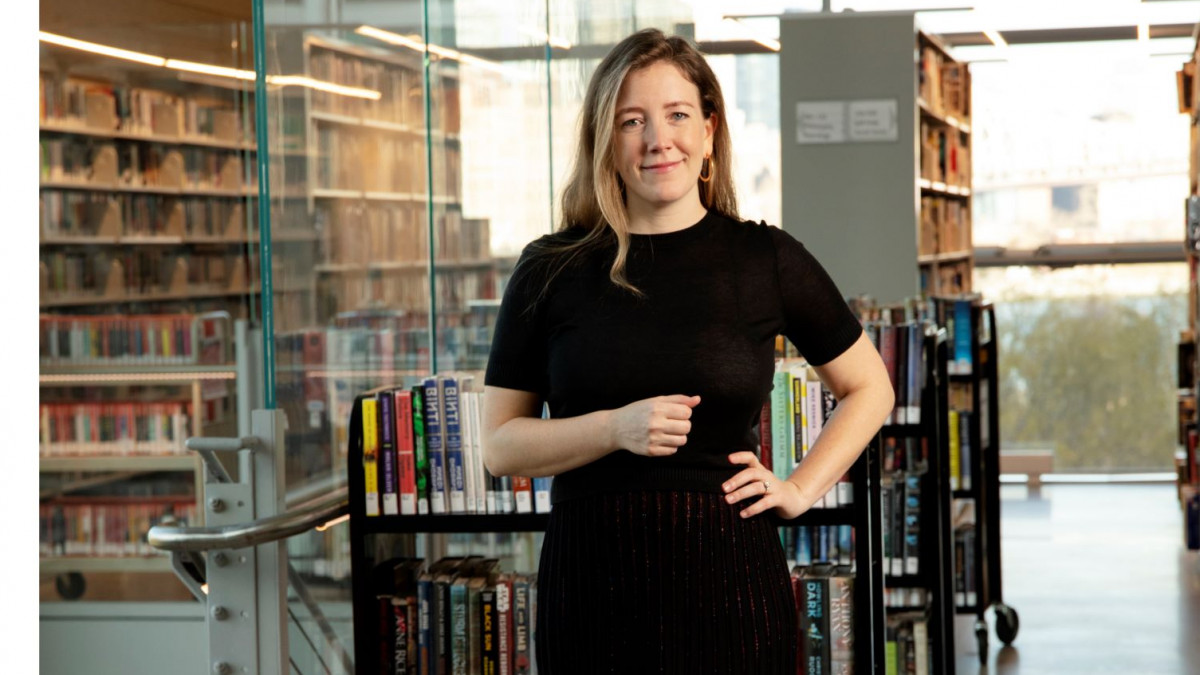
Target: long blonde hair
<point>593,199</point>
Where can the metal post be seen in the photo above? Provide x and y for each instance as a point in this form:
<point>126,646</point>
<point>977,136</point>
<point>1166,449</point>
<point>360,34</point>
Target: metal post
<point>247,587</point>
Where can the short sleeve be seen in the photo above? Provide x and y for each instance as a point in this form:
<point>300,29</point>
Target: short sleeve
<point>518,358</point>
<point>816,317</point>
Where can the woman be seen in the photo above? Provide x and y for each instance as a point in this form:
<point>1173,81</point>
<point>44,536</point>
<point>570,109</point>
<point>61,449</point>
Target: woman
<point>647,323</point>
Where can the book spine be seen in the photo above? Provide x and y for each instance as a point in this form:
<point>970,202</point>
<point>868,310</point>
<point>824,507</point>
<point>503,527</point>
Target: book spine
<point>887,351</point>
<point>523,494</point>
<point>485,478</point>
<point>452,442</point>
<point>458,628</point>
<point>471,486</point>
<point>965,450</point>
<point>370,433</point>
<point>764,435</point>
<point>955,452</point>
<point>779,428</point>
<point>387,454</point>
<point>433,442</point>
<point>541,494</point>
<point>401,658</point>
<point>425,619</point>
<point>841,625</point>
<point>405,453</point>
<point>916,372</point>
<point>488,628</point>
<point>504,625</point>
<point>522,626</point>
<point>814,625</point>
<point>420,449</point>
<point>912,523</point>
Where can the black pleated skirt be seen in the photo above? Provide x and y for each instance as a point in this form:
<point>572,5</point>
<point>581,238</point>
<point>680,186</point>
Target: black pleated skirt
<point>663,582</point>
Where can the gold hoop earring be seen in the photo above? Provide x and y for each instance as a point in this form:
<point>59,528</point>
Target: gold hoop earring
<point>711,165</point>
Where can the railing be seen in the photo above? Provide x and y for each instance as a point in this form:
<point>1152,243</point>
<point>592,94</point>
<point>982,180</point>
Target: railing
<point>236,566</point>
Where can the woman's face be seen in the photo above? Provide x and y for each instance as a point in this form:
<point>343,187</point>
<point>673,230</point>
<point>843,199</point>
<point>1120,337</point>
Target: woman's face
<point>661,137</point>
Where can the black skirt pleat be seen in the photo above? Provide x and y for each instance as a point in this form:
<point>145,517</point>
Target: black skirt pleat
<point>663,582</point>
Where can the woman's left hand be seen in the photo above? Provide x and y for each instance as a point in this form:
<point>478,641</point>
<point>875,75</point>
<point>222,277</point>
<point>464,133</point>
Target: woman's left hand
<point>755,481</point>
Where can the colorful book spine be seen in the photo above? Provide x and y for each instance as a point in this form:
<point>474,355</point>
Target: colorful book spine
<point>504,627</point>
<point>433,443</point>
<point>452,440</point>
<point>814,624</point>
<point>781,444</point>
<point>425,616</point>
<point>420,449</point>
<point>541,494</point>
<point>955,452</point>
<point>405,454</point>
<point>522,626</point>
<point>841,625</point>
<point>390,494</point>
<point>489,650</point>
<point>523,494</point>
<point>370,434</point>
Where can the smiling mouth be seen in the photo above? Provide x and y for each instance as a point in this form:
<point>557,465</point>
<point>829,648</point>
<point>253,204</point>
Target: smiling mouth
<point>661,168</point>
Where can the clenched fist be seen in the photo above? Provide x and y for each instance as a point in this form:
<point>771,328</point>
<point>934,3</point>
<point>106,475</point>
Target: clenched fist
<point>654,427</point>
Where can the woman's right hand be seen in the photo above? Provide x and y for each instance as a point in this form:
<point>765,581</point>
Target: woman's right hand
<point>654,427</point>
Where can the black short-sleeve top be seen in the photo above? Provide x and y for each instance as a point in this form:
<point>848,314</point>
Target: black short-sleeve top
<point>714,297</point>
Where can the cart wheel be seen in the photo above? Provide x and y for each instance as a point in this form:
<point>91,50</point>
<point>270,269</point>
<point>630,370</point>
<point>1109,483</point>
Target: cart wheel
<point>981,634</point>
<point>70,585</point>
<point>1007,623</point>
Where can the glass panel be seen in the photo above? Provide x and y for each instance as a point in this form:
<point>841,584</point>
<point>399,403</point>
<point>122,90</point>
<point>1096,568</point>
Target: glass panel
<point>1084,356</point>
<point>147,249</point>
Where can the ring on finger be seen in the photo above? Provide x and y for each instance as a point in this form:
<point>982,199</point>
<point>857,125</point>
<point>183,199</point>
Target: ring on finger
<point>766,486</point>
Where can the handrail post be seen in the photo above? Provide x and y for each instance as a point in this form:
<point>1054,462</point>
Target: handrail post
<point>247,587</point>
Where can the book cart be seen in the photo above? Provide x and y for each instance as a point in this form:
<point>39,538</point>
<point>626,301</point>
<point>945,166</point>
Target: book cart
<point>917,556</point>
<point>863,516</point>
<point>978,583</point>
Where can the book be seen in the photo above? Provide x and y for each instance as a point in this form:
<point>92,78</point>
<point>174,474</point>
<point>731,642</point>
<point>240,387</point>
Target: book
<point>389,494</point>
<point>504,624</point>
<point>426,621</point>
<point>471,484</point>
<point>541,494</point>
<point>489,650</point>
<point>522,625</point>
<point>814,622</point>
<point>912,523</point>
<point>370,434</point>
<point>420,450</point>
<point>841,624</point>
<point>438,495</point>
<point>452,443</point>
<point>523,494</point>
<point>406,466</point>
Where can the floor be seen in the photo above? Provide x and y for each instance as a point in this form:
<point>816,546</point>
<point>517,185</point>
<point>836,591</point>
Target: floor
<point>1100,581</point>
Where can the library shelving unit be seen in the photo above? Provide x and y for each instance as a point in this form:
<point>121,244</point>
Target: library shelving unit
<point>973,430</point>
<point>365,551</point>
<point>109,419</point>
<point>146,240</point>
<point>876,120</point>
<point>918,572</point>
<point>1187,461</point>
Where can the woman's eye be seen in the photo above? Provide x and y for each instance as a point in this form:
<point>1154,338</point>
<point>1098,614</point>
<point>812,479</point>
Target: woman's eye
<point>631,122</point>
<point>679,116</point>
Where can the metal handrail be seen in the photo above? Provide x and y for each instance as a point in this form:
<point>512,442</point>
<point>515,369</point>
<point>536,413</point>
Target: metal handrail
<point>261,531</point>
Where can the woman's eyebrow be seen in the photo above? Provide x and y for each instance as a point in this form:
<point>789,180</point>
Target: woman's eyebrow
<point>634,108</point>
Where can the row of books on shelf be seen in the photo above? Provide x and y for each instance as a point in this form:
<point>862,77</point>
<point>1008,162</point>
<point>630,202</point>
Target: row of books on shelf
<point>907,646</point>
<point>456,615</point>
<point>113,429</point>
<point>959,424</point>
<point>138,339</point>
<point>966,591</point>
<point>367,290</point>
<point>905,597</point>
<point>820,545</point>
<point>825,611</point>
<point>422,454</point>
<point>944,84</point>
<point>945,156</point>
<point>107,529</point>
<point>65,213</point>
<point>902,348</point>
<point>945,226</point>
<point>401,88</point>
<point>102,106</point>
<point>365,159</point>
<point>69,273</point>
<point>956,314</point>
<point>91,161</point>
<point>900,499</point>
<point>946,278</point>
<point>791,422</point>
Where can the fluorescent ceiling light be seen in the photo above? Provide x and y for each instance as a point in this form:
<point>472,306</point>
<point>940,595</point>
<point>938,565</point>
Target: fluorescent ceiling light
<point>206,68</point>
<point>420,46</point>
<point>745,31</point>
<point>995,37</point>
<point>101,49</point>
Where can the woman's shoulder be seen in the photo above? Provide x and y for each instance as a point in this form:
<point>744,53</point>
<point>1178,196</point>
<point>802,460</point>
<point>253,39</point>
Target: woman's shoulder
<point>759,234</point>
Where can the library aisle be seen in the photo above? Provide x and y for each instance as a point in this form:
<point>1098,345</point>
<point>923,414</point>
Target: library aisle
<point>1101,582</point>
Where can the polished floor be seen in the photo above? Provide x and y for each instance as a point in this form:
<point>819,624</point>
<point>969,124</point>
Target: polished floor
<point>1100,580</point>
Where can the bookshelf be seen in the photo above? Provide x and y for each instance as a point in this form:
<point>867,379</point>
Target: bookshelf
<point>118,396</point>
<point>876,120</point>
<point>1187,459</point>
<point>369,533</point>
